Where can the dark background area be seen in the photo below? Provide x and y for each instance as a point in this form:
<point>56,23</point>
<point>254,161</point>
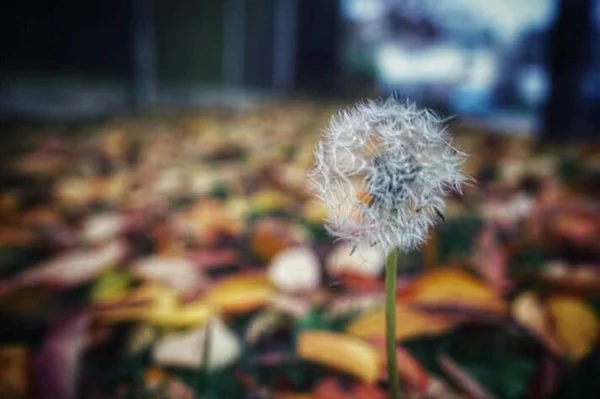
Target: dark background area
<point>146,54</point>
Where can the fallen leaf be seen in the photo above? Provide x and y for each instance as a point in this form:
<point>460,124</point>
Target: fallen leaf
<point>295,269</point>
<point>241,293</point>
<point>71,269</point>
<point>186,349</point>
<point>270,236</point>
<point>156,305</point>
<point>531,313</point>
<point>268,201</point>
<point>102,228</point>
<point>409,369</point>
<point>454,290</point>
<point>410,323</point>
<point>178,273</point>
<point>577,325</point>
<point>342,352</point>
<point>15,371</point>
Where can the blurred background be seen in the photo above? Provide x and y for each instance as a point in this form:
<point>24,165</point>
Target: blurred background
<point>529,65</point>
<point>158,237</point>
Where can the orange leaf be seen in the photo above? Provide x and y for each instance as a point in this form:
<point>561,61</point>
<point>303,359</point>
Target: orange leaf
<point>453,288</point>
<point>410,323</point>
<point>340,351</point>
<point>271,236</point>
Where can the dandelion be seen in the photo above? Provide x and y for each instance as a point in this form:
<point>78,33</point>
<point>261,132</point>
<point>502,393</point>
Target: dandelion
<point>383,169</point>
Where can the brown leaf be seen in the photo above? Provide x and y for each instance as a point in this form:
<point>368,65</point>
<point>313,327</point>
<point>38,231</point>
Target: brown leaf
<point>14,373</point>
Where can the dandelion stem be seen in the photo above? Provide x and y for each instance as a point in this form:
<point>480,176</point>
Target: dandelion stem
<point>391,274</point>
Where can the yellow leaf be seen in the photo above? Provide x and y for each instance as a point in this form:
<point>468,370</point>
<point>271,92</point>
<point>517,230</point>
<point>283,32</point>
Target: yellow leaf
<point>528,310</point>
<point>452,287</point>
<point>340,351</point>
<point>110,286</point>
<point>241,294</point>
<point>157,305</point>
<point>189,315</point>
<point>315,212</point>
<point>269,200</point>
<point>576,323</point>
<point>410,323</point>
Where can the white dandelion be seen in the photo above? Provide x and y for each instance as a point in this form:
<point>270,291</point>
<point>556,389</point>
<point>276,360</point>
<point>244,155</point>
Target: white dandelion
<point>383,169</point>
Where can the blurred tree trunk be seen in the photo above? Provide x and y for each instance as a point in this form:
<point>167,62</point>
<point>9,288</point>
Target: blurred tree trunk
<point>569,56</point>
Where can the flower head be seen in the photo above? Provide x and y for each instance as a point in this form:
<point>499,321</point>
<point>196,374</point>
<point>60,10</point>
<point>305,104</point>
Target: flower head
<point>383,169</point>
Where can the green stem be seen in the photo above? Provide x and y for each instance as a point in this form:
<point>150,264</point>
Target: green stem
<point>391,274</point>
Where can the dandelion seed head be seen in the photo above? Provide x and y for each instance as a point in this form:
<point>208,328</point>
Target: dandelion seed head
<point>383,169</point>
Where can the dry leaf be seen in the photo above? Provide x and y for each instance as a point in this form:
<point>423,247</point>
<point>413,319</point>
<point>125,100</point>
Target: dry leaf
<point>410,323</point>
<point>156,305</point>
<point>242,293</point>
<point>295,269</point>
<point>577,325</point>
<point>186,349</point>
<point>270,236</point>
<point>453,289</point>
<point>342,352</point>
<point>531,313</point>
<point>409,369</point>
